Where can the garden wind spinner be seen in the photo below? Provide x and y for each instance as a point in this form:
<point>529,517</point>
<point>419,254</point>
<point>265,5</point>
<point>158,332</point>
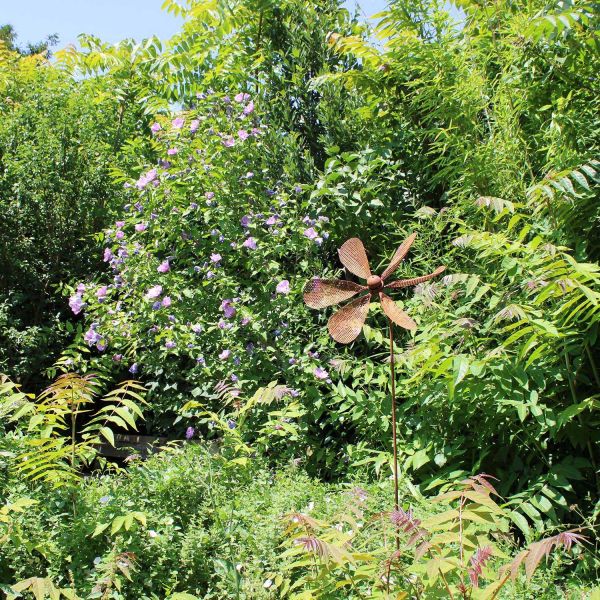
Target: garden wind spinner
<point>346,324</point>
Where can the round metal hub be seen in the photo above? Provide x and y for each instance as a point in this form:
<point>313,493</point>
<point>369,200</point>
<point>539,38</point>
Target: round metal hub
<point>375,283</point>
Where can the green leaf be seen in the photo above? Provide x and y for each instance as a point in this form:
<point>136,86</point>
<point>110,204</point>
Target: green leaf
<point>108,435</point>
<point>126,416</point>
<point>521,522</point>
<point>419,459</point>
<point>100,528</point>
<point>461,368</point>
<point>117,524</point>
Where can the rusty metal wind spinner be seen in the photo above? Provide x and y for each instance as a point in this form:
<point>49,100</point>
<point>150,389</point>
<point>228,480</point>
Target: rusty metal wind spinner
<point>346,324</point>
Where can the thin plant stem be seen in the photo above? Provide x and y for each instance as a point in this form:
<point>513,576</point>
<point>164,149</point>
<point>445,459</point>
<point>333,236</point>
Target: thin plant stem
<point>593,364</point>
<point>446,585</point>
<point>394,440</point>
<point>501,585</point>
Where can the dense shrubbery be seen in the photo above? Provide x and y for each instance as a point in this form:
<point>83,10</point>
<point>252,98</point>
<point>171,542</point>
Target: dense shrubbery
<point>300,129</point>
<point>56,150</point>
<point>171,524</point>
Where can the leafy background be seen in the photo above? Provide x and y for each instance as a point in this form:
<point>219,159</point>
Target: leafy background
<point>299,127</point>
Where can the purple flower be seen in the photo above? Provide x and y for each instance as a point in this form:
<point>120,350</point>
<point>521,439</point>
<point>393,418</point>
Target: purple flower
<point>209,275</point>
<point>154,292</point>
<point>81,288</point>
<point>310,233</point>
<point>172,151</point>
<point>189,433</point>
<point>197,328</point>
<point>134,368</point>
<point>234,377</point>
<point>241,97</point>
<point>139,227</point>
<point>117,357</point>
<point>170,344</point>
<point>146,178</point>
<point>320,373</point>
<point>249,108</point>
<point>108,255</point>
<point>156,305</point>
<point>91,336</point>
<point>249,347</point>
<point>155,127</point>
<point>119,224</point>
<point>292,361</point>
<point>250,243</point>
<point>244,221</point>
<point>245,321</point>
<point>215,257</point>
<point>120,235</point>
<point>178,123</point>
<point>283,287</point>
<point>225,354</point>
<point>209,195</point>
<point>166,302</point>
<point>194,125</point>
<point>228,141</point>
<point>201,361</point>
<point>231,424</point>
<point>272,220</point>
<point>101,345</point>
<point>164,267</point>
<point>249,175</point>
<point>243,134</point>
<point>101,293</point>
<point>228,308</point>
<point>76,303</point>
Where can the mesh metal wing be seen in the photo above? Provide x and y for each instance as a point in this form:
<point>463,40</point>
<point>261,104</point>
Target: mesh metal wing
<point>319,293</point>
<point>399,255</point>
<point>354,258</point>
<point>346,324</point>
<point>402,283</point>
<point>398,316</point>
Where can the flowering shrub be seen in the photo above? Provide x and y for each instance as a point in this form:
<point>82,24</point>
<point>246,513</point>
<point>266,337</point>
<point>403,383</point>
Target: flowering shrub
<point>208,261</point>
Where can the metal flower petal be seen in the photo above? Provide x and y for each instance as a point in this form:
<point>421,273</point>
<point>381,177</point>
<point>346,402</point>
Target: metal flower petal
<point>397,315</point>
<point>319,293</point>
<point>346,324</point>
<point>399,255</point>
<point>402,283</point>
<point>354,258</point>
